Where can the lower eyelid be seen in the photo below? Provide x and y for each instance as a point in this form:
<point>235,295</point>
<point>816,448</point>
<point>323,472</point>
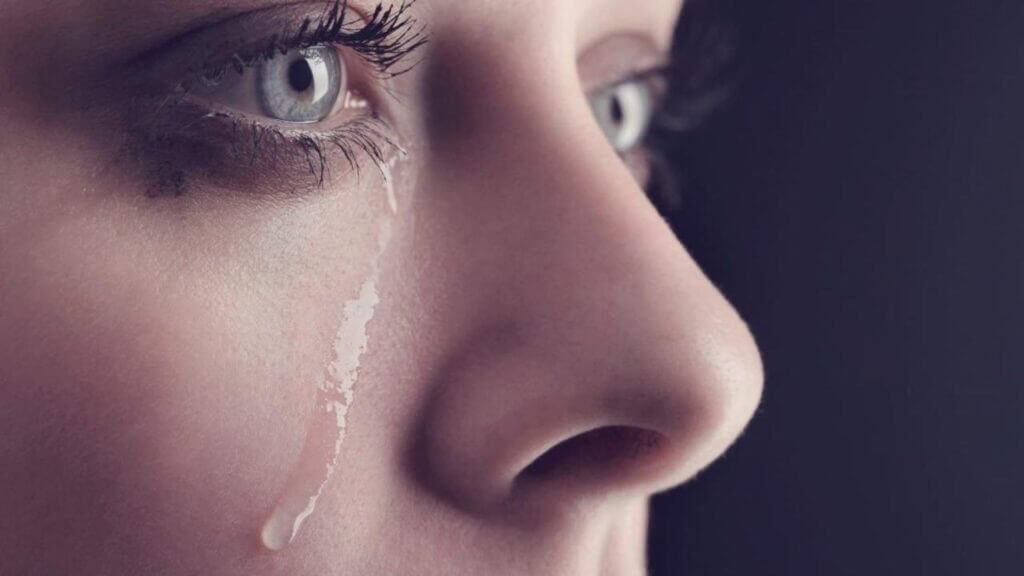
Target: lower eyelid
<point>351,106</point>
<point>182,145</point>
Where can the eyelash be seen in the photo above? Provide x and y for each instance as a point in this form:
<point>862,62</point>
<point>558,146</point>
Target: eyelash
<point>383,41</point>
<point>387,37</point>
<point>701,78</point>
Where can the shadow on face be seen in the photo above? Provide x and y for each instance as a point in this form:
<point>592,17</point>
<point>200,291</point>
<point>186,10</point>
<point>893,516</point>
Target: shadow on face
<point>425,313</point>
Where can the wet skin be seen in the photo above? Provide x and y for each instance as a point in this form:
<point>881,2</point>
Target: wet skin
<point>542,356</point>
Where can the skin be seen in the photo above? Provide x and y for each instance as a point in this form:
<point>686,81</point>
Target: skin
<point>160,355</point>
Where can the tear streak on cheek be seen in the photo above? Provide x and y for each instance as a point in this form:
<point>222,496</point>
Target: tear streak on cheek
<point>335,394</point>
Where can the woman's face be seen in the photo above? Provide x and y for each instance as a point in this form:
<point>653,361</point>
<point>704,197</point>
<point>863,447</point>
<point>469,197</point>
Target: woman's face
<point>284,290</point>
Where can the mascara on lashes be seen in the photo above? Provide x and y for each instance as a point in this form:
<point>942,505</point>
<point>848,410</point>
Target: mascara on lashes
<point>180,137</point>
<point>384,39</point>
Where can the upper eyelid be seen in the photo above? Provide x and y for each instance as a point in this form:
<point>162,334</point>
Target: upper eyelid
<point>196,29</point>
<point>199,43</point>
<point>658,73</point>
<point>655,75</point>
<point>243,39</point>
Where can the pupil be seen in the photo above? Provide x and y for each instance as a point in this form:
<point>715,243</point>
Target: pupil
<point>616,111</point>
<point>300,76</point>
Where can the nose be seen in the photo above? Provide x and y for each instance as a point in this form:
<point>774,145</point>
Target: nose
<point>584,355</point>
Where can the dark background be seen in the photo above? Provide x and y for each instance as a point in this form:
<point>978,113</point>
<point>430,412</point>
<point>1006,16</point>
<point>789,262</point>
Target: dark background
<point>860,202</point>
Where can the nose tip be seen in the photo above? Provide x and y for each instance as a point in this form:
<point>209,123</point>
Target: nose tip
<point>648,437</point>
<point>520,418</point>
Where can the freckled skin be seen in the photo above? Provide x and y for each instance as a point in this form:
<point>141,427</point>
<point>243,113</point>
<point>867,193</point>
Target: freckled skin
<point>161,354</point>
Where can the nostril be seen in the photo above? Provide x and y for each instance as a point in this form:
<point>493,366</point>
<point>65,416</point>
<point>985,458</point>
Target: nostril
<point>602,454</point>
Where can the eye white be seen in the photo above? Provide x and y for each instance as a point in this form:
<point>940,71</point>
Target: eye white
<point>623,112</point>
<point>301,86</point>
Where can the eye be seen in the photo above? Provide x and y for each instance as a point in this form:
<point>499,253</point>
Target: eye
<point>624,111</point>
<point>301,86</point>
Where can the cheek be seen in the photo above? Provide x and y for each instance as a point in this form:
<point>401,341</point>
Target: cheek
<point>161,368</point>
